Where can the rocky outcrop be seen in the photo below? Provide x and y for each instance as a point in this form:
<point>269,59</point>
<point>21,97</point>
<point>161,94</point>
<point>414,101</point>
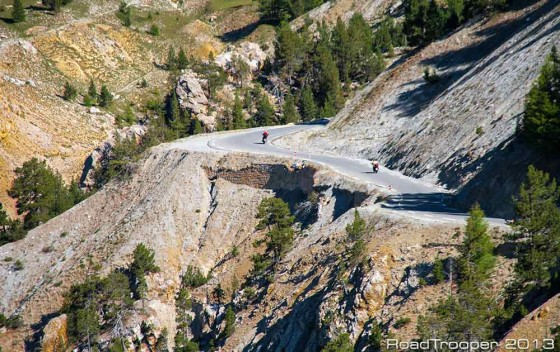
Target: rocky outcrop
<point>250,53</point>
<point>94,160</point>
<point>192,93</point>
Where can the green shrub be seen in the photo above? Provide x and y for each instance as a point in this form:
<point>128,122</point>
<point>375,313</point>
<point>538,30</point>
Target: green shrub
<point>401,322</point>
<point>154,30</point>
<point>340,344</point>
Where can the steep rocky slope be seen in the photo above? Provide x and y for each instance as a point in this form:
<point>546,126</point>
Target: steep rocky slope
<point>486,69</point>
<point>193,208</point>
<point>34,121</point>
<point>84,41</point>
<point>331,10</point>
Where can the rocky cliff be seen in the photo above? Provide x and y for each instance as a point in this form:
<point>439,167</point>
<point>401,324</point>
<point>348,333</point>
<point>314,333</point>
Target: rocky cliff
<point>193,208</point>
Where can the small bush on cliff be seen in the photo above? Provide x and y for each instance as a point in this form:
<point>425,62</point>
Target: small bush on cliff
<point>154,30</point>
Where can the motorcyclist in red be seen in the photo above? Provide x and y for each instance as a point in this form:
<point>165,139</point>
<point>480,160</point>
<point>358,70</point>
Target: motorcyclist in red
<point>264,137</point>
<point>375,166</point>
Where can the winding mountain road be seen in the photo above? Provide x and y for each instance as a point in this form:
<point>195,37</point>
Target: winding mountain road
<point>416,198</point>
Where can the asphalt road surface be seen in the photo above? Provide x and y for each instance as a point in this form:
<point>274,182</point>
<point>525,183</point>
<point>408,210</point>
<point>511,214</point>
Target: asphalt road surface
<point>418,199</point>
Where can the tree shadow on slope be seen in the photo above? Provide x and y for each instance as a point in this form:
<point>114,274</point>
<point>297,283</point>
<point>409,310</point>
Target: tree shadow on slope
<point>410,283</point>
<point>433,202</point>
<point>502,170</point>
<point>459,63</point>
<point>33,342</point>
<point>494,37</point>
<point>239,33</point>
<point>298,330</point>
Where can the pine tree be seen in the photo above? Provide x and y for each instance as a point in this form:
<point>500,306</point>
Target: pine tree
<point>182,60</point>
<point>541,123</point>
<point>265,111</point>
<point>308,106</point>
<point>537,231</point>
<point>274,10</point>
<point>196,126</point>
<point>439,271</point>
<point>40,193</point>
<point>173,112</point>
<point>238,118</point>
<point>105,97</point>
<point>171,59</point>
<point>143,263</point>
<point>355,233</point>
<point>341,343</point>
<point>127,18</point>
<point>4,219</point>
<point>291,115</point>
<point>289,51</point>
<point>329,85</point>
<point>328,109</point>
<point>436,21</point>
<point>70,93</point>
<point>275,215</point>
<point>476,252</point>
<point>154,30</point>
<point>341,44</point>
<point>18,12</point>
<point>455,10</point>
<point>229,329</point>
<point>92,92</point>
<point>361,49</point>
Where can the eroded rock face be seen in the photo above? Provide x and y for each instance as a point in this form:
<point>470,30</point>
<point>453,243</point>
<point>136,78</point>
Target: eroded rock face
<point>104,149</point>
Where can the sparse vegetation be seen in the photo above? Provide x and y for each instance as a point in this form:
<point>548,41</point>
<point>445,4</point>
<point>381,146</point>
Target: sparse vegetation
<point>341,343</point>
<point>401,322</point>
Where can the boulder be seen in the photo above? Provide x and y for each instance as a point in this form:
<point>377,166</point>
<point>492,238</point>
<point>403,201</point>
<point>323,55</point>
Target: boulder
<point>249,52</point>
<point>55,334</point>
